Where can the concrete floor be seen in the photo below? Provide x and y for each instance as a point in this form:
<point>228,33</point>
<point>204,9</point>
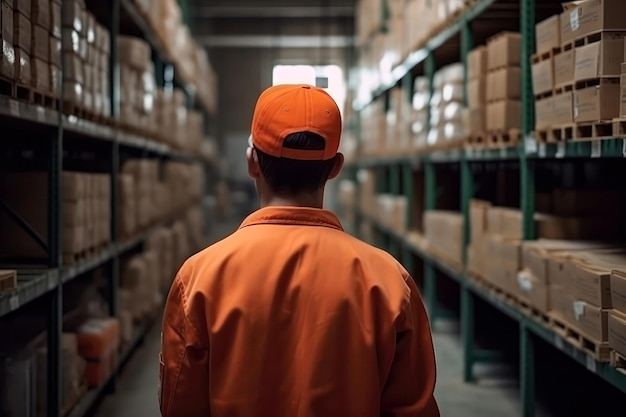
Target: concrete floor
<point>495,395</point>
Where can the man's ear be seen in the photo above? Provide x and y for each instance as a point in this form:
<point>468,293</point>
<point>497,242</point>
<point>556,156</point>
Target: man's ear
<point>337,167</point>
<point>254,170</point>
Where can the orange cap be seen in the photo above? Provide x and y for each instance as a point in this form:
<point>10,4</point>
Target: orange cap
<point>286,109</point>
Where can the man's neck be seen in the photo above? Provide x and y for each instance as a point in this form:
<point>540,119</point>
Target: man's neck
<point>314,201</point>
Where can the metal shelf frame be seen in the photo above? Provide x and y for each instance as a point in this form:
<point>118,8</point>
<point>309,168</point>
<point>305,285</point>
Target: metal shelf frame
<point>527,154</point>
<point>61,132</point>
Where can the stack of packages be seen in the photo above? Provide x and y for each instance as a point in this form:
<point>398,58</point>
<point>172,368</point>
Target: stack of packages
<point>476,95</point>
<point>443,231</point>
<point>373,131</point>
<point>367,191</point>
<point>138,85</point>
<point>98,342</point>
<point>40,46</point>
<point>497,255</point>
<point>446,108</point>
<point>617,316</point>
<point>419,113</point>
<point>347,201</point>
<point>86,50</point>
<point>55,48</point>
<point>171,113</point>
<point>398,139</point>
<point>7,53</point>
<point>86,213</point>
<point>392,211</point>
<point>503,83</point>
<point>548,41</point>
<point>369,14</point>
<point>22,42</point>
<point>140,213</point>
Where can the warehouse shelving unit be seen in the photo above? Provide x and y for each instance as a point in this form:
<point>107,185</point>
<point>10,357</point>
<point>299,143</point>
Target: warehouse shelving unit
<point>52,129</point>
<point>398,179</point>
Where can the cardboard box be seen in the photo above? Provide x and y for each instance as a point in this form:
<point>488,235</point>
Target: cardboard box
<point>41,43</point>
<point>533,291</point>
<point>474,120</point>
<point>504,115</point>
<point>589,284</point>
<point>41,75</point>
<point>548,34</point>
<point>503,50</point>
<point>22,35</point>
<point>74,186</point>
<point>478,219</point>
<point>505,263</point>
<point>55,81</point>
<point>55,19</point>
<point>477,92</point>
<point>600,59</point>
<point>477,63</point>
<point>564,68</point>
<point>598,102</point>
<point>55,52</point>
<point>7,59</point>
<point>583,18</point>
<point>22,6</point>
<point>618,291</point>
<point>544,111</point>
<point>6,23</point>
<point>511,223</point>
<point>40,13</point>
<point>134,52</point>
<point>74,239</point>
<point>23,70</point>
<point>622,102</point>
<point>73,15</point>
<point>617,332</point>
<point>543,76</point>
<point>74,69</point>
<point>589,319</point>
<point>563,105</point>
<point>504,83</point>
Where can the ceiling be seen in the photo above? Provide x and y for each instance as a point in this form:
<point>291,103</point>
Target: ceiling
<point>260,23</point>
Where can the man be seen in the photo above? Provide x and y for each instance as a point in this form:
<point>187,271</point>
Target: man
<point>290,316</point>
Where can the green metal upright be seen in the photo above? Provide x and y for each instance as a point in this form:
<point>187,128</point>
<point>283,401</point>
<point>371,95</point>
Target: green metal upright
<point>527,178</point>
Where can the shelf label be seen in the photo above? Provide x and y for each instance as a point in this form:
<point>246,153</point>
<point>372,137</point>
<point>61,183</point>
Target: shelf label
<point>591,364</point>
<point>596,149</point>
<point>531,145</point>
<point>14,302</point>
<point>503,153</point>
<point>14,108</point>
<point>624,148</point>
<point>574,19</point>
<point>558,342</point>
<point>542,150</point>
<point>560,150</point>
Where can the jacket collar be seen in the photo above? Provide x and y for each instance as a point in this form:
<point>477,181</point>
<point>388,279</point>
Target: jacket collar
<point>295,216</point>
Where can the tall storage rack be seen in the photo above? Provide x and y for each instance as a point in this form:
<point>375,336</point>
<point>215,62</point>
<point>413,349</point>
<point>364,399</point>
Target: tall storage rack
<point>56,134</point>
<point>488,17</point>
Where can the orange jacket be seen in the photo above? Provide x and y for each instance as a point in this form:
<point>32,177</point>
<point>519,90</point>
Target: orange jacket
<point>292,317</point>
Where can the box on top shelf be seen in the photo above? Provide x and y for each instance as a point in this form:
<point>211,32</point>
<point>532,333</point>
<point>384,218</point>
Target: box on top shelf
<point>73,15</point>
<point>6,23</point>
<point>580,19</point>
<point>477,92</point>
<point>563,108</point>
<point>22,36</point>
<point>55,19</point>
<point>564,68</point>
<point>40,13</point>
<point>23,7</point>
<point>600,101</point>
<point>504,115</point>
<point>504,83</point>
<point>600,59</point>
<point>543,76</point>
<point>503,50</point>
<point>477,63</point>
<point>548,33</point>
<point>41,43</point>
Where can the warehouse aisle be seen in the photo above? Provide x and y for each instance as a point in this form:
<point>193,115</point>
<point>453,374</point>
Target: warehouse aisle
<point>495,395</point>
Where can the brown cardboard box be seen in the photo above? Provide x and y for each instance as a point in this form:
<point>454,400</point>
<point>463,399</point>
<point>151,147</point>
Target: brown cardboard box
<point>41,75</point>
<point>494,220</point>
<point>73,15</point>
<point>533,291</point>
<point>543,76</point>
<point>55,19</point>
<point>134,52</point>
<point>590,284</point>
<point>478,219</point>
<point>7,59</point>
<point>511,223</point>
<point>74,212</point>
<point>74,186</point>
<point>544,110</point>
<point>55,52</point>
<point>505,263</point>
<point>548,34</point>
<point>74,69</point>
<point>23,70</point>
<point>71,41</point>
<point>617,332</point>
<point>22,36</point>
<point>622,102</point>
<point>55,81</point>
<point>477,63</point>
<point>41,43</point>
<point>600,102</point>
<point>618,291</point>
<point>504,83</point>
<point>564,68</point>
<point>503,50</point>
<point>6,23</point>
<point>600,59</point>
<point>504,115</point>
<point>590,320</point>
<point>563,108</point>
<point>474,120</point>
<point>581,19</point>
<point>556,294</point>
<point>22,6</point>
<point>476,92</point>
<point>74,239</point>
<point>443,231</point>
<point>40,13</point>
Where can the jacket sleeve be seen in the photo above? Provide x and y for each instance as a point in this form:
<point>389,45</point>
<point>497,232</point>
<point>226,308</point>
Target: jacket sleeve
<point>409,389</point>
<point>184,370</point>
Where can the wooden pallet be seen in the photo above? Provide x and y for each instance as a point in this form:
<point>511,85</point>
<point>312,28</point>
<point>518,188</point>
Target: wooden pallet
<point>44,99</point>
<point>546,55</point>
<point>72,109</point>
<point>619,127</point>
<point>534,313</point>
<point>71,259</point>
<point>618,361</point>
<point>476,141</point>
<point>593,131</point>
<point>8,281</point>
<point>600,351</point>
<point>503,139</point>
<point>592,38</point>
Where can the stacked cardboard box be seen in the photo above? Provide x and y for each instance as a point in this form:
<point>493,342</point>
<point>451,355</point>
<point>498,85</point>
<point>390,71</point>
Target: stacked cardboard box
<point>392,211</point>
<point>7,53</point>
<point>443,231</point>
<point>503,82</point>
<point>86,212</point>
<point>398,139</point>
<point>138,84</point>
<point>548,42</point>
<point>622,104</point>
<point>347,200</point>
<point>617,316</point>
<point>476,94</point>
<point>374,131</point>
<point>419,113</point>
<point>55,57</point>
<point>86,50</point>
<point>446,107</point>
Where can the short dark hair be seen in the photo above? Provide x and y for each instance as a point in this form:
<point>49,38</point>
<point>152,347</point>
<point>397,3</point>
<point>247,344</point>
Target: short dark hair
<point>292,176</point>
